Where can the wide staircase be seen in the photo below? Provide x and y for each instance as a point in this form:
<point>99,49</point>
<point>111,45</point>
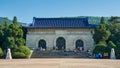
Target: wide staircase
<point>58,54</point>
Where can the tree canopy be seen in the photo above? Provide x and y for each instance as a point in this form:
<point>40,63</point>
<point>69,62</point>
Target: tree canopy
<point>102,21</point>
<point>101,34</point>
<point>109,35</point>
<point>11,36</point>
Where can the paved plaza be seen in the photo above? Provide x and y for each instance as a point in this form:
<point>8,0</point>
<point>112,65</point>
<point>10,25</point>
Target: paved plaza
<point>59,63</point>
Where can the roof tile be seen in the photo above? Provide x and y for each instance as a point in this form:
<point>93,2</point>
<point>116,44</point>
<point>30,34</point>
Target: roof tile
<point>61,23</point>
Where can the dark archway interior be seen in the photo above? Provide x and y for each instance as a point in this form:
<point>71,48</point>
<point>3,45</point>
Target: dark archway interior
<point>79,44</point>
<point>61,43</point>
<point>42,43</point>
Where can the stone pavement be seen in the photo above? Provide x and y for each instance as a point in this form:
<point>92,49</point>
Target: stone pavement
<point>59,63</point>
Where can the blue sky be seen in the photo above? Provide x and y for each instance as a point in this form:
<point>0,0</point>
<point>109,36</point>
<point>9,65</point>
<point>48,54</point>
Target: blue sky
<point>25,10</point>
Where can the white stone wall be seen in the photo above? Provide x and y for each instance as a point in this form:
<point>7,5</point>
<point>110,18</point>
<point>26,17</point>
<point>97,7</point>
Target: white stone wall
<point>69,35</point>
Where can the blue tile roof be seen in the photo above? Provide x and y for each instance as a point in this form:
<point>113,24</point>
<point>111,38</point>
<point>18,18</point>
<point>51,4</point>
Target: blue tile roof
<point>61,23</point>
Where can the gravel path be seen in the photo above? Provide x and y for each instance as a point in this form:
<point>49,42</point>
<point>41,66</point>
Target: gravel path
<point>59,63</point>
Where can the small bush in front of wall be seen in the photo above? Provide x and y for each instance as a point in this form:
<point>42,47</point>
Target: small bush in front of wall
<point>100,48</point>
<point>21,52</point>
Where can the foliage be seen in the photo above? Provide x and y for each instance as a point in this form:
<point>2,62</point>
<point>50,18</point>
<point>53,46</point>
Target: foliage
<point>24,32</point>
<point>117,50</point>
<point>102,21</point>
<point>101,34</point>
<point>1,36</point>
<point>1,52</point>
<point>18,55</point>
<point>113,40</point>
<point>115,32</point>
<point>8,43</point>
<point>11,36</point>
<point>111,44</point>
<point>20,41</point>
<point>115,37</point>
<point>21,52</point>
<point>15,20</point>
<point>100,48</point>
<point>114,20</point>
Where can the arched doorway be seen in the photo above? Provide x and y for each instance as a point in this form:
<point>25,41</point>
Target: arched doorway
<point>61,43</point>
<point>79,45</point>
<point>42,44</point>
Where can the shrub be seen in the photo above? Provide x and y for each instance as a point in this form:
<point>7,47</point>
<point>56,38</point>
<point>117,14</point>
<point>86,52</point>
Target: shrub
<point>117,50</point>
<point>111,44</point>
<point>100,48</point>
<point>18,55</point>
<point>103,43</point>
<point>117,53</point>
<point>1,52</point>
<point>21,52</point>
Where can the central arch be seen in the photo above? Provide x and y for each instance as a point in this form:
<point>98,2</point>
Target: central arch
<point>42,44</point>
<point>61,43</point>
<point>79,44</point>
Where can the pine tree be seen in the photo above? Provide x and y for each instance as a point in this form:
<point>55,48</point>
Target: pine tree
<point>15,20</point>
<point>102,21</point>
<point>101,34</point>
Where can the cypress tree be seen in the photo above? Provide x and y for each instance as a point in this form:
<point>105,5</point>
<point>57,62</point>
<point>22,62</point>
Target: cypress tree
<point>15,20</point>
<point>102,21</point>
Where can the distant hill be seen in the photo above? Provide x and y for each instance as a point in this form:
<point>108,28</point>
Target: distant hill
<point>2,20</point>
<point>96,20</point>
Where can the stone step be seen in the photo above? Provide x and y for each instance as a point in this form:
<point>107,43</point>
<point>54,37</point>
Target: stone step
<point>58,54</point>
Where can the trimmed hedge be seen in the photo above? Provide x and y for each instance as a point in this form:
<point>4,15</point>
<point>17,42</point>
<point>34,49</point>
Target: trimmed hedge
<point>18,55</point>
<point>21,52</point>
<point>100,48</point>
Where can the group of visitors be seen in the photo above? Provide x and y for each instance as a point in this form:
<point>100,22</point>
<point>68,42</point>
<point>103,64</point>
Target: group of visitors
<point>89,54</point>
<point>78,50</point>
<point>40,49</point>
<point>58,48</point>
<point>98,56</point>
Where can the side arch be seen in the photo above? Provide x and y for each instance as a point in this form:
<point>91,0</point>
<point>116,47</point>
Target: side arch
<point>42,44</point>
<point>41,38</point>
<point>84,41</point>
<point>79,45</point>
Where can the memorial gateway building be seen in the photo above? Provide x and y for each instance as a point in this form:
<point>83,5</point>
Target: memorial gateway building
<point>60,33</point>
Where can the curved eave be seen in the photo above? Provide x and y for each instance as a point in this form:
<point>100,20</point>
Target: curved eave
<point>58,27</point>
